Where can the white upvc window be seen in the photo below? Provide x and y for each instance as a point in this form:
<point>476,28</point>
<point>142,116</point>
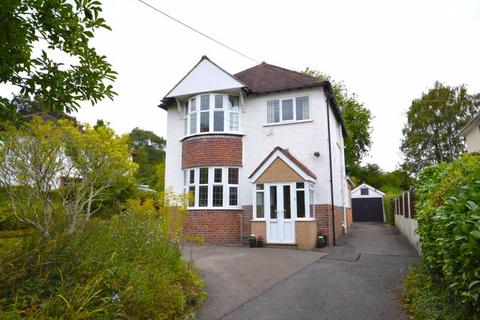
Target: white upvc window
<point>288,110</point>
<point>212,112</point>
<point>212,187</point>
<point>303,204</point>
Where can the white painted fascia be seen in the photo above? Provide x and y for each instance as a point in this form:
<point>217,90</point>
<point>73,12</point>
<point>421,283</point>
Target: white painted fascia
<point>364,185</point>
<point>290,163</point>
<point>204,77</point>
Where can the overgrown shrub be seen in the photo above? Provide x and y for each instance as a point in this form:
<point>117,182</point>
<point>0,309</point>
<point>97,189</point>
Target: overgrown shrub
<point>389,206</point>
<point>448,214</point>
<point>125,267</point>
<point>428,301</point>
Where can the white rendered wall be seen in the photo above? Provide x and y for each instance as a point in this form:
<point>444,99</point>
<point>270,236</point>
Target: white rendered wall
<point>301,139</point>
<point>408,227</point>
<point>473,140</point>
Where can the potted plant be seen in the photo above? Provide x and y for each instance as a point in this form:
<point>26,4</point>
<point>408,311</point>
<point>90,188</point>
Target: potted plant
<point>252,240</point>
<point>259,241</point>
<point>321,240</point>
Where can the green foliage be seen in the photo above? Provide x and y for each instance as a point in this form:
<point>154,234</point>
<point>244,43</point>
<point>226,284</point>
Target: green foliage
<point>94,165</point>
<point>426,300</point>
<point>434,120</point>
<point>67,68</point>
<point>123,268</point>
<point>357,119</point>
<point>149,154</point>
<point>448,215</point>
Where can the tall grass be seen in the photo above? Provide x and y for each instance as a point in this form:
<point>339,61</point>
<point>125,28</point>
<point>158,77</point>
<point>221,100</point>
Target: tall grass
<point>126,267</point>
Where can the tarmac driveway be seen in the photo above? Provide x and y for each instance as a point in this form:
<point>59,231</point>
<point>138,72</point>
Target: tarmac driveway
<point>361,278</point>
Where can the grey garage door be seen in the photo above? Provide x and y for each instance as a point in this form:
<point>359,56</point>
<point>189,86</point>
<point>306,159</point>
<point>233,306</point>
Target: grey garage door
<point>367,209</point>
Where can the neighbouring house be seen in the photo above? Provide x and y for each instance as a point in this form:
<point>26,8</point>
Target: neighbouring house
<point>367,204</point>
<point>471,133</point>
<point>260,151</point>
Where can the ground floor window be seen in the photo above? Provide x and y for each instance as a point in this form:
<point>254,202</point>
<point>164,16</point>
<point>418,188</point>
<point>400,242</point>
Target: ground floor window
<point>212,187</point>
<point>298,200</point>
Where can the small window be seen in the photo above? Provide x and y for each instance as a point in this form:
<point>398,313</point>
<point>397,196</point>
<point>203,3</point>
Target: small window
<point>205,102</point>
<point>302,111</point>
<point>192,176</point>
<point>260,204</point>
<point>203,175</point>
<point>300,199</point>
<point>204,121</point>
<point>287,110</point>
<point>273,111</point>
<point>203,196</point>
<point>233,196</point>
<point>217,175</point>
<point>233,175</point>
<point>218,121</point>
<point>217,196</point>
<point>260,186</point>
<point>364,191</point>
<point>218,101</point>
<point>191,198</point>
<point>193,123</point>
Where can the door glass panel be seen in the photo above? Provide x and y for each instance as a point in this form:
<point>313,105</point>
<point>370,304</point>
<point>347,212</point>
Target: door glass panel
<point>273,202</point>
<point>287,212</point>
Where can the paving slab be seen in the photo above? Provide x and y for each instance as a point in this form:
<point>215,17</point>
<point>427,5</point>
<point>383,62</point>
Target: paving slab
<point>236,275</point>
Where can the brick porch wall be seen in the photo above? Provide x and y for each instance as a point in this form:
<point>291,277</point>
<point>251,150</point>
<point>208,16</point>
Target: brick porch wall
<point>215,226</point>
<point>323,213</point>
<point>247,215</point>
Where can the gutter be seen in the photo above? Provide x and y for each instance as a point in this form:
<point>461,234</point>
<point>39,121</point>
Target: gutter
<point>331,172</point>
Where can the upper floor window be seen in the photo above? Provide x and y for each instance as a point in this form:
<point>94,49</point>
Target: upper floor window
<point>288,110</point>
<point>211,112</point>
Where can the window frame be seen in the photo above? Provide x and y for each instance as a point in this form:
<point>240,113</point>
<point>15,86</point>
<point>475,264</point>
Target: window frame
<point>212,109</point>
<point>309,199</point>
<point>294,106</point>
<point>211,183</point>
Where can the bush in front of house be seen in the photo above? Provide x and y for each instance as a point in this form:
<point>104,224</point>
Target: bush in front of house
<point>448,215</point>
<point>125,267</point>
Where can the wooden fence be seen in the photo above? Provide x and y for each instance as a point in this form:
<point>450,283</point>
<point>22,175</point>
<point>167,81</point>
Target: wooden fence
<point>405,217</point>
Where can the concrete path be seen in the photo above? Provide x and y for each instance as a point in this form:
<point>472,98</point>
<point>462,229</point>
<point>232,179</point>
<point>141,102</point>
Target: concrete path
<point>359,279</point>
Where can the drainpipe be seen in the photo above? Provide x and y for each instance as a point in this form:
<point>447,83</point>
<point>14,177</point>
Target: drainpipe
<point>331,173</point>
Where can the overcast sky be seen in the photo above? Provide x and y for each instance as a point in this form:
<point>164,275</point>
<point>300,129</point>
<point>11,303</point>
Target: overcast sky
<point>387,52</point>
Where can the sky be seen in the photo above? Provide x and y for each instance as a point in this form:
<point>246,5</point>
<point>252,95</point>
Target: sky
<point>387,52</point>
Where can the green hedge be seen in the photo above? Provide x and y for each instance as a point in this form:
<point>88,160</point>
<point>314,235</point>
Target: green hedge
<point>448,215</point>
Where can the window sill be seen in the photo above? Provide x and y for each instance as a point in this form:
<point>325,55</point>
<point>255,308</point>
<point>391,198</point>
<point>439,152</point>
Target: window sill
<point>306,219</point>
<point>258,220</point>
<point>228,133</point>
<point>285,123</point>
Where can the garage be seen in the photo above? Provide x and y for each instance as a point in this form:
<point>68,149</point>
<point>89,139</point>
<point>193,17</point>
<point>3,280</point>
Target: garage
<point>367,204</point>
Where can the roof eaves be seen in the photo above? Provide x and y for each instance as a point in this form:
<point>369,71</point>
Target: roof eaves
<point>469,125</point>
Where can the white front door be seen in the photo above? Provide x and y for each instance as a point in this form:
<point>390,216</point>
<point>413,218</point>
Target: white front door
<point>279,214</point>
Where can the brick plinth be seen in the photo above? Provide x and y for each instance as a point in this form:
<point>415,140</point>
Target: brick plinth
<point>323,213</point>
<point>212,150</point>
<point>215,226</point>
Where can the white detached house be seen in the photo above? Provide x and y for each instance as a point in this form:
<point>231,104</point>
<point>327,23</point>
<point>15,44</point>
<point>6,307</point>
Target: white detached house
<point>261,151</point>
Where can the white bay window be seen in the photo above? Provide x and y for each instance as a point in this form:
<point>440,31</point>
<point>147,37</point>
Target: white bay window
<point>207,113</point>
<point>212,187</point>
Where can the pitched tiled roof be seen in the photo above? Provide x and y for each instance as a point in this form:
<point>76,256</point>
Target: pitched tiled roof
<point>289,156</point>
<point>265,78</point>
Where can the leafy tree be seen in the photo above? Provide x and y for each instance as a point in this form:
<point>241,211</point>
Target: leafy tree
<point>46,51</point>
<point>149,153</point>
<point>357,119</point>
<point>45,163</point>
<point>434,120</point>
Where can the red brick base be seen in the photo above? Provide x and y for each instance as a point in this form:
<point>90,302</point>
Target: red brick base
<point>233,226</point>
<point>323,213</point>
<point>214,226</point>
